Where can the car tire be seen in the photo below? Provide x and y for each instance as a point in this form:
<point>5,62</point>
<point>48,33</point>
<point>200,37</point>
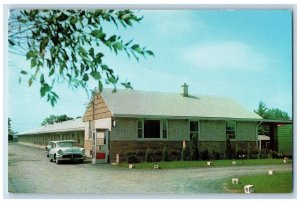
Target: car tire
<point>57,161</point>
<point>51,160</point>
<point>81,161</point>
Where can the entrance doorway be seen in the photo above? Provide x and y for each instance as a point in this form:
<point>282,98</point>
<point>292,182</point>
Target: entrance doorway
<point>100,146</point>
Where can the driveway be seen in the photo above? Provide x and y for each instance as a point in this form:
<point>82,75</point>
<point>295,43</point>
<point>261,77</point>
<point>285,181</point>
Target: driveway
<point>29,171</point>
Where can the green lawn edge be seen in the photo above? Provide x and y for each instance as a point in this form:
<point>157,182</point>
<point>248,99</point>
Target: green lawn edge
<point>197,164</point>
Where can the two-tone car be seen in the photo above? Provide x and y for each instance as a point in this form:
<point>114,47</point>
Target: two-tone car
<point>66,150</point>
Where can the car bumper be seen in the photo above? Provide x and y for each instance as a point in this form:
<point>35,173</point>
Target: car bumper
<point>69,157</point>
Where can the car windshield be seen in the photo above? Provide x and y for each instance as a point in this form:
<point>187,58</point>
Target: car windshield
<point>66,144</point>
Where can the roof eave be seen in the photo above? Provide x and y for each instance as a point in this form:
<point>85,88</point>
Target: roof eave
<point>185,117</point>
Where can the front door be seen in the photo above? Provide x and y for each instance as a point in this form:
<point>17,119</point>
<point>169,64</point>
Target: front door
<point>100,146</point>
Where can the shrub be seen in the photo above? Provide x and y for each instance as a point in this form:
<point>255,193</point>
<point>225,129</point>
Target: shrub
<point>194,153</point>
<point>148,155</point>
<point>205,155</point>
<point>165,155</point>
<point>228,151</point>
<point>215,155</point>
<point>132,159</point>
<point>183,154</point>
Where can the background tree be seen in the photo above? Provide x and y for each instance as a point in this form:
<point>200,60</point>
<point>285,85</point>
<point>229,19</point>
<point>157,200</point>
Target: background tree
<point>272,114</point>
<point>64,45</point>
<point>55,119</point>
<point>10,131</point>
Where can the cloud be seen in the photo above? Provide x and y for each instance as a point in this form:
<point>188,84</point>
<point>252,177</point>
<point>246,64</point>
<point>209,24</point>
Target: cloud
<point>173,23</point>
<point>226,55</point>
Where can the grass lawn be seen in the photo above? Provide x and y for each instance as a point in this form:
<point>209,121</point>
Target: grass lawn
<point>264,183</point>
<point>191,164</point>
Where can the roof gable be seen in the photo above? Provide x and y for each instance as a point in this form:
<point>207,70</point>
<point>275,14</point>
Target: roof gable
<point>96,109</point>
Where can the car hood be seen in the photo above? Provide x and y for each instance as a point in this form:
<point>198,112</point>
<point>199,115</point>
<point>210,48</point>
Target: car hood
<point>71,149</point>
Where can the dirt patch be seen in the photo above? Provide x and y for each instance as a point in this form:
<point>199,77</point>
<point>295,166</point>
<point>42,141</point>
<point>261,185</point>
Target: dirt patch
<point>227,189</point>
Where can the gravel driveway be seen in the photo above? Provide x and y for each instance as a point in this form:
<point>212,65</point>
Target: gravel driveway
<point>29,171</point>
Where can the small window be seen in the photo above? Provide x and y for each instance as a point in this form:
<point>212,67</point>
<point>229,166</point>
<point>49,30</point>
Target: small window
<point>194,129</point>
<point>230,129</point>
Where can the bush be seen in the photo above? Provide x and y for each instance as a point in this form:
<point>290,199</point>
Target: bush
<point>215,155</point>
<point>131,159</point>
<point>148,155</point>
<point>165,155</point>
<point>194,153</point>
<point>228,151</point>
<point>205,155</point>
<point>183,154</point>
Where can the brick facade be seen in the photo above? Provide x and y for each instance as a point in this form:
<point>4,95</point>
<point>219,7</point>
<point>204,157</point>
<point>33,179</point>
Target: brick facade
<point>212,137</point>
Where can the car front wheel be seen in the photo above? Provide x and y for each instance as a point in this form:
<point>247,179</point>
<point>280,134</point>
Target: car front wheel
<point>57,161</point>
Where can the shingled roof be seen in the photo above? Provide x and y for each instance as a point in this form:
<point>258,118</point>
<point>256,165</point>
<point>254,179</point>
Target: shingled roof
<point>134,103</point>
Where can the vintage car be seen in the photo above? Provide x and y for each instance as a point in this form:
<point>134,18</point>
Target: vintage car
<point>48,147</point>
<point>66,150</point>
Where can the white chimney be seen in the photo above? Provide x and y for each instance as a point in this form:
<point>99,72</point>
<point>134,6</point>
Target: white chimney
<point>185,90</point>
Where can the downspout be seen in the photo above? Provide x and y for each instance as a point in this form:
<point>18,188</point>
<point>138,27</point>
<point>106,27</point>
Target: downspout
<point>256,138</point>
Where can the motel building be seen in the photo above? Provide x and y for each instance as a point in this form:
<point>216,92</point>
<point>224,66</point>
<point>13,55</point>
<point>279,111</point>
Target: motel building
<point>116,125</point>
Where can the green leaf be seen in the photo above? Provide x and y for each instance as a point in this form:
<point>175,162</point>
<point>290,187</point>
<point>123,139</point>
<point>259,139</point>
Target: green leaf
<point>91,51</point>
<point>44,89</point>
<point>118,45</point>
<point>100,86</point>
<point>30,82</point>
<point>23,72</point>
<point>22,20</point>
<point>11,43</point>
<point>127,85</point>
<point>43,44</point>
<point>150,53</point>
<point>98,57</point>
<point>29,54</point>
<point>42,80</point>
<point>85,77</point>
<point>96,75</point>
<point>73,20</point>
<point>51,72</point>
<point>98,34</point>
<point>62,17</point>
<point>33,62</point>
<point>137,48</point>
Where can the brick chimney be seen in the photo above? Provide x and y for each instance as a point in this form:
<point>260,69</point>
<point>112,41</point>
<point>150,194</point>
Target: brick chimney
<point>185,90</point>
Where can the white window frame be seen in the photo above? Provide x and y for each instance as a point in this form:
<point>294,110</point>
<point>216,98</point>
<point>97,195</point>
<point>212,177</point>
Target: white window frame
<point>160,129</point>
<point>198,132</point>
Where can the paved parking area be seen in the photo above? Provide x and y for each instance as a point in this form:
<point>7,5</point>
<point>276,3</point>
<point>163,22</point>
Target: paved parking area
<point>29,171</point>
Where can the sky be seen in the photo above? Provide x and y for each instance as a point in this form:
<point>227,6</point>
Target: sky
<point>243,54</point>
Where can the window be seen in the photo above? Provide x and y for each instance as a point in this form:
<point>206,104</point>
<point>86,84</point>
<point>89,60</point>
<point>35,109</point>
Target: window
<point>152,129</point>
<point>194,129</point>
<point>230,129</point>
